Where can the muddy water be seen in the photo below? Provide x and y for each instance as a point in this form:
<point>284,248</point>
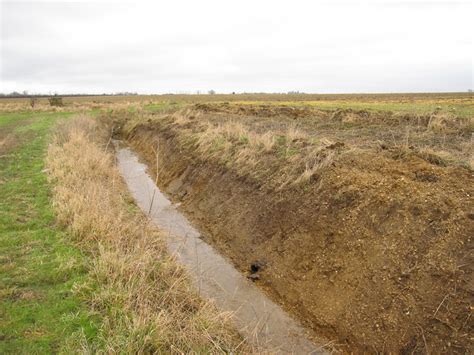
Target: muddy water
<point>258,319</point>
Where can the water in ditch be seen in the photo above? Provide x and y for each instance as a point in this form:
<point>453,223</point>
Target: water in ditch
<point>261,321</point>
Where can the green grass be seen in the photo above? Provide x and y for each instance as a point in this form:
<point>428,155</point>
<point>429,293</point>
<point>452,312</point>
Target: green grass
<point>164,106</point>
<point>39,267</point>
<point>9,118</point>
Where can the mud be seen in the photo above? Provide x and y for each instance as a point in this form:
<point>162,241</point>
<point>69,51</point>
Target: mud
<point>259,320</point>
<point>375,253</point>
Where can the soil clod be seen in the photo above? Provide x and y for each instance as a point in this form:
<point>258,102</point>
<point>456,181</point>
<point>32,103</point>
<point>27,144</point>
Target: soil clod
<point>253,277</point>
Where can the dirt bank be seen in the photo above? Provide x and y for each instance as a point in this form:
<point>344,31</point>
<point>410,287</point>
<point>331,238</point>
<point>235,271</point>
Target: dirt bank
<point>368,244</point>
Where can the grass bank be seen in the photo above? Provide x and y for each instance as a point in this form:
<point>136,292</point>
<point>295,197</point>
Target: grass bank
<point>39,266</point>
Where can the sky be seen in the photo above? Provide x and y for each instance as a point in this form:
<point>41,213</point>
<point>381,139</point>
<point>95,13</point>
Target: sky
<point>154,47</point>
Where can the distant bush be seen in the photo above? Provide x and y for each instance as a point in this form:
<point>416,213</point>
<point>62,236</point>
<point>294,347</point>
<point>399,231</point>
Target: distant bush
<point>56,101</point>
<point>33,102</point>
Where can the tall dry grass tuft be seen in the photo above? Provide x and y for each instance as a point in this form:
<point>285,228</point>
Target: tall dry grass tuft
<point>184,116</point>
<point>234,133</point>
<point>295,134</point>
<point>142,296</point>
<point>314,164</point>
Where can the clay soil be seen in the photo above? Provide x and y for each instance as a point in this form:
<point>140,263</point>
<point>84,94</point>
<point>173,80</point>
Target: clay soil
<point>372,249</point>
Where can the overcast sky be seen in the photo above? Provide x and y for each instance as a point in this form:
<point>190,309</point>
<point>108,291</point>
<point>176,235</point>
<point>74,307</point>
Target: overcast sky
<point>253,46</point>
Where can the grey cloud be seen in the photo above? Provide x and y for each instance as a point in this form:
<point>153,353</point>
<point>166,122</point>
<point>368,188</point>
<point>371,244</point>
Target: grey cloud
<point>255,46</point>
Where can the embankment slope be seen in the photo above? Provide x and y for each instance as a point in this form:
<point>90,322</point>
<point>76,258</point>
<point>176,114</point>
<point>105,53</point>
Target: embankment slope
<point>367,239</point>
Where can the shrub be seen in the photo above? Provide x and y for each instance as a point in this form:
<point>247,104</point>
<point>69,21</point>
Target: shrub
<point>33,101</point>
<point>56,101</point>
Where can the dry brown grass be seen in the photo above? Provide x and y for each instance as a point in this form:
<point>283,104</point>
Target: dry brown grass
<point>142,296</point>
<point>295,134</point>
<point>282,147</point>
<point>42,105</point>
<point>316,161</point>
<point>184,116</point>
<point>241,145</point>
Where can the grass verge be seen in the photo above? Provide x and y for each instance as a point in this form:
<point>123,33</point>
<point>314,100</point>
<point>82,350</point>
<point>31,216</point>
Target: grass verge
<point>39,268</point>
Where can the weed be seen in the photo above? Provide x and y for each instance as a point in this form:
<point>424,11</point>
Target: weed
<point>56,101</point>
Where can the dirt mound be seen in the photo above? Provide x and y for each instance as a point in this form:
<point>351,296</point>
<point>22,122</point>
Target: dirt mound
<point>375,251</point>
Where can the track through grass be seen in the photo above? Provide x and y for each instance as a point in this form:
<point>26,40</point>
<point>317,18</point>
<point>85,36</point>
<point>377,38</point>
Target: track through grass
<point>38,266</point>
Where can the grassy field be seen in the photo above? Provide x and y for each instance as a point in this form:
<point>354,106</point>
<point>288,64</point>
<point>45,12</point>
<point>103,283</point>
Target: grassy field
<point>462,108</point>
<point>39,267</point>
<point>458,104</point>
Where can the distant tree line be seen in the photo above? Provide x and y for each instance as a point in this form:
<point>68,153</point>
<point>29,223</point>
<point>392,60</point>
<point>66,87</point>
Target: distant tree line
<point>25,94</point>
<point>16,94</point>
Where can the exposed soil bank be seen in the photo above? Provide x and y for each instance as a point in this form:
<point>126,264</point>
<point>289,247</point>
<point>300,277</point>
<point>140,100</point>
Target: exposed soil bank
<point>375,252</point>
<point>263,324</point>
